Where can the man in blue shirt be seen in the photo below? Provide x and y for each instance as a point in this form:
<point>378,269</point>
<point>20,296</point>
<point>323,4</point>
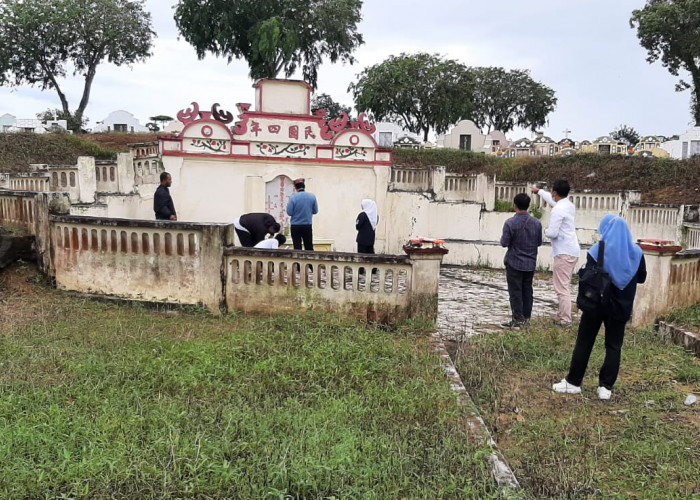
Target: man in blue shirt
<point>522,235</point>
<point>301,208</point>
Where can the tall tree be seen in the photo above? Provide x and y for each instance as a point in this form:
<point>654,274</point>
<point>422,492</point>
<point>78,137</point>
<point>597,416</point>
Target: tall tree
<point>42,40</point>
<point>505,99</point>
<point>670,31</point>
<point>626,134</point>
<point>335,109</point>
<point>162,119</point>
<point>57,114</point>
<point>273,36</point>
<point>419,91</point>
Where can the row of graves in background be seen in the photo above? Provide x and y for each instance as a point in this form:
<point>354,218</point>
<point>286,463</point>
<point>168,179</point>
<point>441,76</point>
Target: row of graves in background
<point>542,145</point>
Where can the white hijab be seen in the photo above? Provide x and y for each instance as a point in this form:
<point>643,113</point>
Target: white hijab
<point>370,208</point>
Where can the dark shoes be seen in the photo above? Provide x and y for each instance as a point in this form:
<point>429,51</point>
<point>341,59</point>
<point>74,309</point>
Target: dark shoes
<point>514,325</point>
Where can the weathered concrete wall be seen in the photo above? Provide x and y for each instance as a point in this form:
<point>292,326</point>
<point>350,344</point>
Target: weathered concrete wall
<point>385,288</point>
<point>238,186</point>
<point>673,280</point>
<point>375,288</point>
<point>142,260</point>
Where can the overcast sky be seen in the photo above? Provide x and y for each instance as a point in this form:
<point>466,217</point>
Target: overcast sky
<point>583,49</point>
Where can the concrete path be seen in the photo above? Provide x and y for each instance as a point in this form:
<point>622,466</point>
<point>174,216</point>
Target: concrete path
<point>476,300</point>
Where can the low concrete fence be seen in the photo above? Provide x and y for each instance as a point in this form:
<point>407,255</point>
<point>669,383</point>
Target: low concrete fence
<point>28,182</point>
<point>673,280</point>
<point>137,259</point>
<point>410,179</point>
<point>192,263</point>
<point>662,222</point>
<point>375,288</point>
<point>17,208</point>
<point>691,235</point>
<point>506,191</point>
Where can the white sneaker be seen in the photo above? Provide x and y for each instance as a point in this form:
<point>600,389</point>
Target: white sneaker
<point>566,388</point>
<point>604,393</point>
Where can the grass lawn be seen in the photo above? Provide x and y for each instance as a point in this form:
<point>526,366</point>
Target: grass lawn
<point>105,400</point>
<point>688,317</point>
<point>643,443</point>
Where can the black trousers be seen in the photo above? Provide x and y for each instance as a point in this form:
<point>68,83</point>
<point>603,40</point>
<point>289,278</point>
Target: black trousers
<point>520,292</point>
<point>588,330</point>
<point>245,238</point>
<point>365,248</point>
<point>302,233</point>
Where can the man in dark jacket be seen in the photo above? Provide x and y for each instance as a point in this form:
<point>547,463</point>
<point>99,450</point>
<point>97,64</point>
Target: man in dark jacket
<point>253,228</point>
<point>522,235</point>
<point>162,201</point>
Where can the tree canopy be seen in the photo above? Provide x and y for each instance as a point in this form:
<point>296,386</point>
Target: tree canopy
<point>335,109</point>
<point>273,36</point>
<point>626,134</point>
<point>420,92</point>
<point>505,99</point>
<point>41,41</point>
<point>670,31</point>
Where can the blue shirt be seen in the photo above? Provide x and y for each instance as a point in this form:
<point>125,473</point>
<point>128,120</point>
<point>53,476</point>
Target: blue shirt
<point>522,234</point>
<point>301,208</point>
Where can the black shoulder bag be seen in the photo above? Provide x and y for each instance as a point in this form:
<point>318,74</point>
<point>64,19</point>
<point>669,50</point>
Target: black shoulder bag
<point>594,284</point>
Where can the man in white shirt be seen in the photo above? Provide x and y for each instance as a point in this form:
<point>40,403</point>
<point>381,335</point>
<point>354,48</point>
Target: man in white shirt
<point>272,243</point>
<point>565,247</point>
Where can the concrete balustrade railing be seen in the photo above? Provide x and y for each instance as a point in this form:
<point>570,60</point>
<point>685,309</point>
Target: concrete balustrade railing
<point>691,235</point>
<point>370,287</point>
<point>655,221</point>
<point>410,179</point>
<point>28,182</point>
<point>17,208</point>
<point>506,191</point>
<point>196,264</point>
<point>673,280</point>
<point>384,288</point>
<point>145,260</point>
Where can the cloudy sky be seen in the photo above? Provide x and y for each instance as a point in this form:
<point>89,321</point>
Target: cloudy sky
<point>583,49</point>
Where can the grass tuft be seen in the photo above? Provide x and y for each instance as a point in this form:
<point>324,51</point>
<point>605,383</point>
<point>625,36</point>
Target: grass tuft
<point>640,444</point>
<point>101,400</point>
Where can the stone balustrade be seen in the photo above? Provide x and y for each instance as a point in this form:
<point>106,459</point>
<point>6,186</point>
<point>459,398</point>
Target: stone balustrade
<point>28,182</point>
<point>506,191</point>
<point>106,177</point>
<point>655,221</point>
<point>17,209</point>
<point>691,235</point>
<point>372,287</point>
<point>410,179</point>
<point>138,259</point>
<point>673,280</point>
<point>192,263</point>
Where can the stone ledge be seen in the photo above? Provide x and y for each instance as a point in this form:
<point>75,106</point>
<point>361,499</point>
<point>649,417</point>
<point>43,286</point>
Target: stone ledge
<point>689,340</point>
<point>500,469</point>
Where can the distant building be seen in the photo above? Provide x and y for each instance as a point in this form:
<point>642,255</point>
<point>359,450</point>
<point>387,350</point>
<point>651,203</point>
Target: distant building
<point>544,145</point>
<point>468,137</point>
<point>685,146</point>
<point>388,135</point>
<point>120,121</point>
<point>521,147</point>
<point>9,123</point>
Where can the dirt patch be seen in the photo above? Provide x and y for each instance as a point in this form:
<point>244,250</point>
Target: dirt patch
<point>24,295</point>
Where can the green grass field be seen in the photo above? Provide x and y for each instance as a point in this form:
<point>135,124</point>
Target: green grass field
<point>643,443</point>
<point>107,400</point>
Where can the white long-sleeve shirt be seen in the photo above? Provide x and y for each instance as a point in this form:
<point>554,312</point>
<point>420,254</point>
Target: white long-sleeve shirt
<point>561,230</point>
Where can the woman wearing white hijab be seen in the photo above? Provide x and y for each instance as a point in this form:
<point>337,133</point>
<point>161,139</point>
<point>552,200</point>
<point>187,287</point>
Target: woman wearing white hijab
<point>366,225</point>
<point>624,262</point>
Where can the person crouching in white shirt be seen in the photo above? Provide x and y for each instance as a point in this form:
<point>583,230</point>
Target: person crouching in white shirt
<point>272,243</point>
<point>565,247</point>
